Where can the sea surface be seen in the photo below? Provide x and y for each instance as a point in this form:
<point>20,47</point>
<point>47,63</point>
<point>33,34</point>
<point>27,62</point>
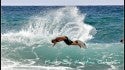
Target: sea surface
<point>27,31</point>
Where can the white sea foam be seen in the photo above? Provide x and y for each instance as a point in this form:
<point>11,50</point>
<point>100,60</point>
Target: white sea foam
<point>36,68</point>
<point>64,21</point>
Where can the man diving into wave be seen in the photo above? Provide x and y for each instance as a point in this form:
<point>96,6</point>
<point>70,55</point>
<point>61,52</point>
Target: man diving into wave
<point>68,41</point>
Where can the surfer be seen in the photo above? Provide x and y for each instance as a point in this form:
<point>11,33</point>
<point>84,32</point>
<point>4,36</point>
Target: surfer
<point>68,41</point>
<point>122,40</point>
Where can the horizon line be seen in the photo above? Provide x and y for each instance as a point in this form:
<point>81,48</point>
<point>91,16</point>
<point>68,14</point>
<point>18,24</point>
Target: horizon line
<point>62,5</point>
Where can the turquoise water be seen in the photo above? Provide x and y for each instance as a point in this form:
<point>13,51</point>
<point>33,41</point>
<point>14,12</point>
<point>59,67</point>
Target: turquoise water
<point>27,31</point>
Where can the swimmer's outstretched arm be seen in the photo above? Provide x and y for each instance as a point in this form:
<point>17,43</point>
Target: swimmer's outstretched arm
<point>53,44</point>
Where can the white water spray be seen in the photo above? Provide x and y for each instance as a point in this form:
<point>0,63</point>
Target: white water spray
<point>66,21</point>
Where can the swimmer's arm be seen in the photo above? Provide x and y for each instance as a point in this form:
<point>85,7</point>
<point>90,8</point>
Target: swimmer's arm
<point>54,44</point>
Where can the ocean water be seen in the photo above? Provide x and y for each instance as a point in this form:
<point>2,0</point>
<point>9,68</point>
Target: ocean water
<point>26,33</point>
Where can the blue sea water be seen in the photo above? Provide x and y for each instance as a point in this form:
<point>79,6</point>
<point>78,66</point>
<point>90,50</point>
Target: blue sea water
<point>26,33</point>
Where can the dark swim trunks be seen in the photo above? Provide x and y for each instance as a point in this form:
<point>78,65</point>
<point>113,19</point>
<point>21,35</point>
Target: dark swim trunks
<point>68,41</point>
